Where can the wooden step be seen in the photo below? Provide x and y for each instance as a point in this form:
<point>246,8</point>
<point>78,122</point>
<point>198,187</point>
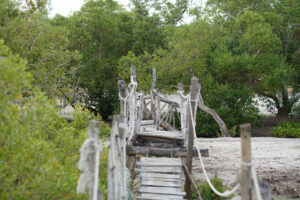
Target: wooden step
<point>147,122</point>
<point>162,164</point>
<point>159,169</point>
<point>150,196</point>
<point>162,190</point>
<point>173,135</point>
<point>174,184</point>
<point>161,159</point>
<point>160,175</point>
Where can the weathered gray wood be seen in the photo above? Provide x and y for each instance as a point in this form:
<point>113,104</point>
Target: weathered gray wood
<point>160,175</point>
<point>162,159</point>
<point>159,190</point>
<point>141,111</point>
<point>151,196</point>
<point>175,152</point>
<point>133,73</point>
<point>163,107</point>
<point>153,109</point>
<point>161,183</point>
<point>162,99</point>
<point>194,89</point>
<point>183,115</point>
<point>123,93</point>
<point>89,162</point>
<point>163,179</point>
<point>189,176</point>
<point>214,114</point>
<point>154,78</point>
<point>159,169</point>
<point>162,164</point>
<point>147,122</point>
<point>176,135</point>
<point>245,179</point>
<point>115,186</point>
<point>167,126</point>
<point>157,113</point>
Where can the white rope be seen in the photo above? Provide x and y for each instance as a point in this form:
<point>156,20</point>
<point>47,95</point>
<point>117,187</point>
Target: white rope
<point>254,177</point>
<point>185,97</point>
<point>224,194</point>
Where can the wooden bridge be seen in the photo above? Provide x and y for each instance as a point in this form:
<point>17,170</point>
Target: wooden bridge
<point>152,145</point>
<point>150,139</point>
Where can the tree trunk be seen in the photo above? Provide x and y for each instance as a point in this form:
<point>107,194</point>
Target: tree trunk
<point>285,109</point>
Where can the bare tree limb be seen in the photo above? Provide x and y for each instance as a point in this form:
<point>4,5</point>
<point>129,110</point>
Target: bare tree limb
<point>214,114</point>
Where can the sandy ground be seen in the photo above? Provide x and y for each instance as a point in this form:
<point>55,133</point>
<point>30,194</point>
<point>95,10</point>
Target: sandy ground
<point>277,162</point>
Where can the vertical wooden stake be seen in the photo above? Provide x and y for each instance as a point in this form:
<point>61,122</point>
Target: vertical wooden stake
<point>152,95</point>
<point>123,93</point>
<point>245,178</point>
<point>157,113</point>
<point>93,132</point>
<point>194,89</point>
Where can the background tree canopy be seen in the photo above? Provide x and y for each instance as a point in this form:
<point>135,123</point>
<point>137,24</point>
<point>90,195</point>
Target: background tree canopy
<point>238,49</point>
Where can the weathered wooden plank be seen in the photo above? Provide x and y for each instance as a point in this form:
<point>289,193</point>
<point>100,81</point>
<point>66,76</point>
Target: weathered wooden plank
<point>147,122</point>
<point>149,196</point>
<point>162,179</point>
<point>161,184</point>
<point>160,190</point>
<point>162,159</point>
<point>160,175</point>
<point>130,149</point>
<point>162,164</point>
<point>176,135</point>
<point>159,169</point>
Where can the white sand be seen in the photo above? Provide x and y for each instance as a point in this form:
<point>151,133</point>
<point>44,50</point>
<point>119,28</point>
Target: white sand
<point>277,161</point>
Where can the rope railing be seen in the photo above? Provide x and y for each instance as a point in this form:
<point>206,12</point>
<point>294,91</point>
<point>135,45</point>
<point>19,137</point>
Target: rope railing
<point>236,187</point>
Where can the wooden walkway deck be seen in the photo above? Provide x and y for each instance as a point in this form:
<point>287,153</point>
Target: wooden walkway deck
<point>153,144</point>
<point>161,177</point>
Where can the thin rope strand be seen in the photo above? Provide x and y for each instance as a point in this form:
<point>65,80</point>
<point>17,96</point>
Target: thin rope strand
<point>224,194</point>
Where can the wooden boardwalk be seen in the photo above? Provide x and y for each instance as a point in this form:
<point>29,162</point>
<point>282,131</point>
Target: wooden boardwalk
<point>150,139</point>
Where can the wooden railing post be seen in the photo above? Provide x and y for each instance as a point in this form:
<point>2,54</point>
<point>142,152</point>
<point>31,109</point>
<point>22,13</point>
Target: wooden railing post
<point>123,93</point>
<point>245,178</point>
<point>157,113</point>
<point>153,110</point>
<point>183,115</point>
<point>116,160</point>
<point>89,162</point>
<point>193,92</point>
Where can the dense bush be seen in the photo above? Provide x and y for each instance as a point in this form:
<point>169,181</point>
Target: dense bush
<point>207,194</point>
<point>39,150</point>
<point>287,130</point>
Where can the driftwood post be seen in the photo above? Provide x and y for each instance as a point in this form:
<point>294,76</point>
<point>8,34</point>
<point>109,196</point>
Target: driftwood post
<point>157,113</point>
<point>115,186</point>
<point>153,110</point>
<point>245,179</point>
<point>89,162</point>
<point>213,113</point>
<point>123,93</point>
<point>193,92</point>
<point>183,113</point>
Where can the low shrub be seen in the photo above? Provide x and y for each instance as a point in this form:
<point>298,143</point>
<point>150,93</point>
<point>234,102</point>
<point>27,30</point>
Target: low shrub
<point>287,130</point>
<point>207,194</point>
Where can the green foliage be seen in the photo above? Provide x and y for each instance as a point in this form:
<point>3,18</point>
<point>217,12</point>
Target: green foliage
<point>39,150</point>
<point>287,130</point>
<point>207,194</point>
<point>45,47</point>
